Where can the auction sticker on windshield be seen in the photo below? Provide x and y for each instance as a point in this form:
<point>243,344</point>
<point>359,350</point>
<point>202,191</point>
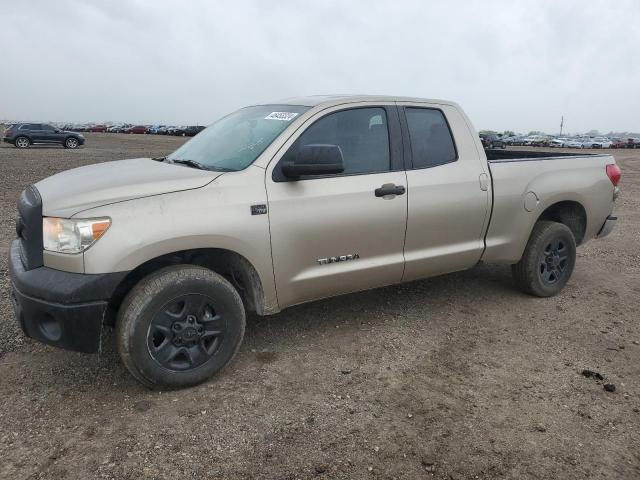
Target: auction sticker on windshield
<point>283,116</point>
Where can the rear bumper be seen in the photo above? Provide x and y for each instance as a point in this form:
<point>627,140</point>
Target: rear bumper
<point>60,308</point>
<point>7,139</point>
<point>607,227</point>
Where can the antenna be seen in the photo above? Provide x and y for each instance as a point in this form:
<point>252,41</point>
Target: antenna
<point>561,124</point>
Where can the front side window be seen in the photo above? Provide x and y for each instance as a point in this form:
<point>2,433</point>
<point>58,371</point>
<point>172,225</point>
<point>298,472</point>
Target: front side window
<point>48,128</point>
<point>361,133</point>
<point>237,140</point>
<point>431,140</point>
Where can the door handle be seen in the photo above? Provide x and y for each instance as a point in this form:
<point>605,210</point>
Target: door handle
<point>389,189</point>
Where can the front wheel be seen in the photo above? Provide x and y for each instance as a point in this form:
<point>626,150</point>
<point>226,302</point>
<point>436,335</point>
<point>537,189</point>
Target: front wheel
<point>548,260</point>
<point>179,326</point>
<point>71,143</point>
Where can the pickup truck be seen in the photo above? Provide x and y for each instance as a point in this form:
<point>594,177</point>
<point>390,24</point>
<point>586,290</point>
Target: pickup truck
<point>279,204</point>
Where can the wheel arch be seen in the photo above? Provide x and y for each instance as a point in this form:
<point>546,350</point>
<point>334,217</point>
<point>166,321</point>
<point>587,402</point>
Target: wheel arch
<point>233,266</point>
<point>570,213</point>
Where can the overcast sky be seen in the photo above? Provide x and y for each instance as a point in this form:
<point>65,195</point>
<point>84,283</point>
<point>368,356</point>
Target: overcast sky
<point>511,64</point>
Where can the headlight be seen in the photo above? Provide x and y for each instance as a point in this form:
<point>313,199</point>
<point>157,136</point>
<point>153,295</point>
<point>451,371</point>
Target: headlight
<point>72,236</point>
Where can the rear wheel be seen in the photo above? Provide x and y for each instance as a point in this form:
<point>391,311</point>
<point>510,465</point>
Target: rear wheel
<point>548,260</point>
<point>22,142</point>
<point>179,326</point>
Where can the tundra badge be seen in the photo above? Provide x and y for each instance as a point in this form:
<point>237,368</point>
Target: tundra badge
<point>341,258</point>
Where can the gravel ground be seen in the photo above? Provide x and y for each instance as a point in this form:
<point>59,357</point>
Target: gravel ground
<point>455,377</point>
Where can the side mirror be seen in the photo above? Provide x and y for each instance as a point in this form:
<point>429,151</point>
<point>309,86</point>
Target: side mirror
<point>315,159</point>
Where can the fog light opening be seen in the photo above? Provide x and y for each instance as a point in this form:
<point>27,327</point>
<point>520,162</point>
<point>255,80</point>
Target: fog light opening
<point>50,328</point>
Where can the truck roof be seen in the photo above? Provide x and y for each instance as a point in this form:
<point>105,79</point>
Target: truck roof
<point>329,100</point>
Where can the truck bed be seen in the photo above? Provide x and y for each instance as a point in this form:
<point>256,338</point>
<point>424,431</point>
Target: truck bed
<point>517,175</point>
<point>497,156</point>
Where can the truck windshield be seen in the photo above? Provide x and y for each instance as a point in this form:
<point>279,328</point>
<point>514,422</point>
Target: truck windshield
<point>235,141</point>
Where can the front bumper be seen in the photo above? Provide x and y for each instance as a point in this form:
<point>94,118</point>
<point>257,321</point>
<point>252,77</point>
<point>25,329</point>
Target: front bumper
<point>59,308</point>
<point>607,227</point>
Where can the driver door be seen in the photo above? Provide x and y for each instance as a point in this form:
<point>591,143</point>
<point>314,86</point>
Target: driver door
<point>48,134</point>
<point>331,234</point>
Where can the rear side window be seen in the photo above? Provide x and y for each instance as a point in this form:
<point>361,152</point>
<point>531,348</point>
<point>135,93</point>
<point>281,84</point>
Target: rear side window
<point>48,128</point>
<point>431,140</point>
<point>361,133</point>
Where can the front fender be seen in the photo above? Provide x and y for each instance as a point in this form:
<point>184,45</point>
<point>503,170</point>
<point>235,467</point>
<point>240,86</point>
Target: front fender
<point>216,216</point>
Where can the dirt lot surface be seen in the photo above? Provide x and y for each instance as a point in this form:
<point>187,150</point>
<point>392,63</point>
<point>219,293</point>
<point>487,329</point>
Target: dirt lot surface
<point>456,377</point>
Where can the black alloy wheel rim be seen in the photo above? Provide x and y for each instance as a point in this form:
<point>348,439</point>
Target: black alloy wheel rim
<point>186,332</point>
<point>554,261</point>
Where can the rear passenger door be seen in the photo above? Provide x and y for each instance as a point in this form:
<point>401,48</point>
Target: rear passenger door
<point>448,192</point>
<point>37,133</point>
<point>333,234</point>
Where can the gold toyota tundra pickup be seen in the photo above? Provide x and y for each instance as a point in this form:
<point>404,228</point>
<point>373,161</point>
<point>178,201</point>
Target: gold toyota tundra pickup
<point>280,204</point>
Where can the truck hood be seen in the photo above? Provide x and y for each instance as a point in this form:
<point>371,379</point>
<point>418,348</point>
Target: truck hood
<point>69,193</point>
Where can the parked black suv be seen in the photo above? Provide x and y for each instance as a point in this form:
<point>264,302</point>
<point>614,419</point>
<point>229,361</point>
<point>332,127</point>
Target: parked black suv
<point>490,141</point>
<point>22,135</point>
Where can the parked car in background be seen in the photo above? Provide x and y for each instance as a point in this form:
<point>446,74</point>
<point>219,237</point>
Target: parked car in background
<point>74,127</point>
<point>617,142</point>
<point>193,130</point>
<point>98,128</point>
<point>589,142</point>
<point>518,141</point>
<point>117,128</point>
<point>633,143</point>
<point>23,135</point>
<point>536,141</point>
<point>559,142</point>
<point>601,142</point>
<point>574,143</point>
<point>491,141</point>
<point>136,129</point>
<point>180,131</point>
<point>154,129</point>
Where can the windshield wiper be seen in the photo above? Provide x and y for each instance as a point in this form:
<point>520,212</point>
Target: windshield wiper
<point>191,163</point>
<point>222,169</point>
<point>198,165</point>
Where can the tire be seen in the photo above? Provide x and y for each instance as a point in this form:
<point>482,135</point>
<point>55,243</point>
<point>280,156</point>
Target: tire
<point>548,260</point>
<point>179,326</point>
<point>22,142</point>
<point>71,142</point>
